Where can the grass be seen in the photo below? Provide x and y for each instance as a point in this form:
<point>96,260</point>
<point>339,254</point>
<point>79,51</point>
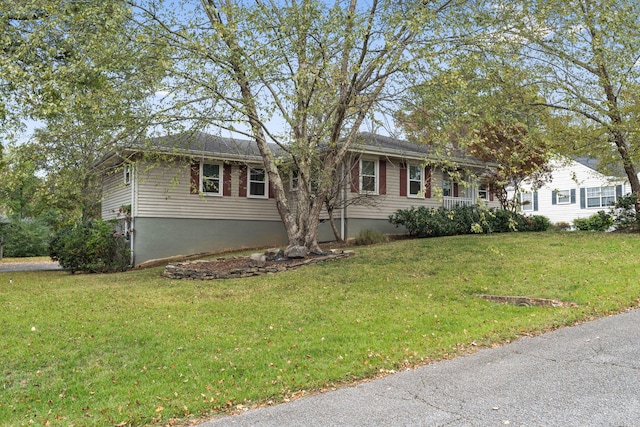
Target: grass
<point>136,349</point>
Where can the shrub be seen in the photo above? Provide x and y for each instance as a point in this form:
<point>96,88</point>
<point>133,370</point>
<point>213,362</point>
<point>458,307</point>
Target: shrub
<point>369,236</point>
<point>537,223</point>
<point>25,238</point>
<point>561,226</point>
<point>624,214</point>
<point>504,221</point>
<point>434,222</point>
<point>600,221</point>
<point>92,247</point>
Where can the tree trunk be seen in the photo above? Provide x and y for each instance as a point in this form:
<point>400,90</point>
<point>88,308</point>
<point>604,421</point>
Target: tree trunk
<point>334,228</point>
<point>632,174</point>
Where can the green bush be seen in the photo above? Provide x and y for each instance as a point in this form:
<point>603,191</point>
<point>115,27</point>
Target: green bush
<point>624,214</point>
<point>561,226</point>
<point>434,222</point>
<point>504,221</point>
<point>369,236</point>
<point>536,223</point>
<point>25,238</point>
<point>92,247</point>
<point>600,221</point>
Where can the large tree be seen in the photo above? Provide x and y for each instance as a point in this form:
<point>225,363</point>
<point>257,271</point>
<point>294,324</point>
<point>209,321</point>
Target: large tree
<point>316,68</point>
<point>80,71</point>
<point>584,55</point>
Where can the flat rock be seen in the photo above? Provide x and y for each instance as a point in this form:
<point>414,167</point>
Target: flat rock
<point>296,252</point>
<point>257,260</point>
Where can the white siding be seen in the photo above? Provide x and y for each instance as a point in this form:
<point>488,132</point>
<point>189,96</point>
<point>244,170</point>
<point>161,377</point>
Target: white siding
<point>565,177</point>
<point>115,194</point>
<point>164,192</point>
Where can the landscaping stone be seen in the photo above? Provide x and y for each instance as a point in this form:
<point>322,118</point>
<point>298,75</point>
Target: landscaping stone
<point>526,301</point>
<point>296,252</point>
<point>229,268</point>
<point>273,253</point>
<point>257,260</point>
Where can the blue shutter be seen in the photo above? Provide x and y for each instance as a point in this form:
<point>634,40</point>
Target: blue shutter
<point>554,197</point>
<point>573,196</point>
<point>583,199</point>
<point>535,200</point>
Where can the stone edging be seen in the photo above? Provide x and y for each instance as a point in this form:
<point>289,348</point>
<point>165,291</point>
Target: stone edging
<point>526,301</point>
<point>190,270</point>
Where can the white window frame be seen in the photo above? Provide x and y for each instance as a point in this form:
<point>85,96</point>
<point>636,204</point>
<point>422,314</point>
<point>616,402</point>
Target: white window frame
<point>483,191</point>
<point>375,176</point>
<point>126,174</point>
<point>600,196</point>
<point>204,178</point>
<point>526,197</point>
<point>420,181</point>
<point>563,197</point>
<point>250,181</point>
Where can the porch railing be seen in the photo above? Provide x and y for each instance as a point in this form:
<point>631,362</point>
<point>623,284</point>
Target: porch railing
<point>452,202</point>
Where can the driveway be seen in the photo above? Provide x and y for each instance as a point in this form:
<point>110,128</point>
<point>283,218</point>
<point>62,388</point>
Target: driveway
<point>586,375</point>
<point>29,266</point>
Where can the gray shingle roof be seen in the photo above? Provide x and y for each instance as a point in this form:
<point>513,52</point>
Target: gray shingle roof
<point>201,143</point>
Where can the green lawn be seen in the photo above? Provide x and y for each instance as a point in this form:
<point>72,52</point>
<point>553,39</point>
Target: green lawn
<point>135,349</point>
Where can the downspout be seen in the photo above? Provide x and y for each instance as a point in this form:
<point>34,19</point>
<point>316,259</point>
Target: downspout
<point>132,229</point>
<point>343,208</point>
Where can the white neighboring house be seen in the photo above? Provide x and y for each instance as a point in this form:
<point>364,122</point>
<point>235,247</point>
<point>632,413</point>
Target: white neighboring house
<point>576,190</point>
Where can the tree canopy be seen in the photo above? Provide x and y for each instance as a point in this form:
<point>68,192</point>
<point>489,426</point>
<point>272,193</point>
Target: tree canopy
<point>319,69</point>
<point>77,69</point>
<point>584,57</point>
<point>308,74</point>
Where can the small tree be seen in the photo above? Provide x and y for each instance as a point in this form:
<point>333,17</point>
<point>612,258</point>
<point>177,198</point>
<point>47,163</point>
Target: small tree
<point>336,199</point>
<point>517,158</point>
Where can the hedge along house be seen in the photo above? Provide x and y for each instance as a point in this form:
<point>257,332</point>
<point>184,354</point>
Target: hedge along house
<point>198,193</point>
<point>576,190</point>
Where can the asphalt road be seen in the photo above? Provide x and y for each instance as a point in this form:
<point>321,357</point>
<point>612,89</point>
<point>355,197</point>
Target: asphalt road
<point>587,375</point>
<point>28,266</point>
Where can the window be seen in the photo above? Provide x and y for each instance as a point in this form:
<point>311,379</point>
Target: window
<point>564,197</point>
<point>294,180</point>
<point>483,191</point>
<point>601,197</point>
<point>415,180</point>
<point>211,179</point>
<point>127,175</point>
<point>368,176</point>
<point>447,186</point>
<point>526,202</point>
<point>257,182</point>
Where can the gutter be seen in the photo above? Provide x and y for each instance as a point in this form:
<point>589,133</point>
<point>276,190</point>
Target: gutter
<point>343,210</point>
<point>404,154</point>
<point>132,228</point>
